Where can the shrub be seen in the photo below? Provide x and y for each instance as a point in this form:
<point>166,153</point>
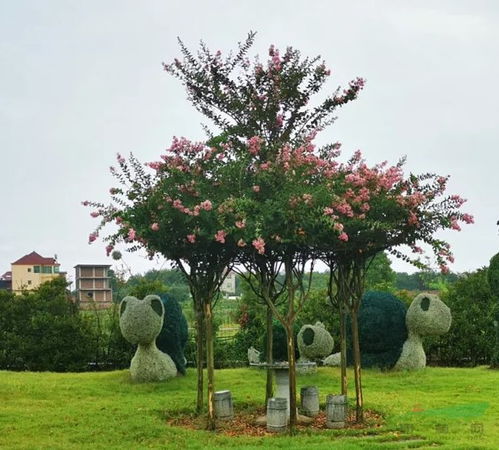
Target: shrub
<point>470,340</point>
<point>493,275</point>
<point>42,330</point>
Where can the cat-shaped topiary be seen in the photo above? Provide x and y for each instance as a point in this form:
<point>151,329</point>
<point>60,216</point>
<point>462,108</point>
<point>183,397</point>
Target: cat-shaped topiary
<point>140,323</point>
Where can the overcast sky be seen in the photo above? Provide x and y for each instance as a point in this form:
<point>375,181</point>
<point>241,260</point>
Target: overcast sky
<point>82,80</point>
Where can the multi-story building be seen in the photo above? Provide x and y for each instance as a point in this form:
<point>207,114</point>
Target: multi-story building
<point>229,284</point>
<point>32,270</point>
<point>6,281</point>
<point>93,285</point>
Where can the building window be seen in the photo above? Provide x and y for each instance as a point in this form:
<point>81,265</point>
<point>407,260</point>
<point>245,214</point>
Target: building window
<point>37,269</point>
<point>46,269</point>
<point>29,269</point>
<point>29,281</point>
<point>56,269</point>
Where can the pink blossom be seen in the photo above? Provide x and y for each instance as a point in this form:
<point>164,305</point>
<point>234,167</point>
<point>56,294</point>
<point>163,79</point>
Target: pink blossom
<point>345,208</point>
<point>328,211</point>
<point>241,243</point>
<point>109,249</point>
<point>468,218</point>
<point>417,249</point>
<point>85,203</point>
<point>206,205</point>
<point>95,214</point>
<point>338,226</point>
<point>92,237</point>
<point>191,238</point>
<point>259,245</point>
<point>240,224</point>
<point>444,268</point>
<point>454,224</point>
<point>265,166</point>
<point>119,220</point>
<point>154,165</point>
<point>343,237</point>
<point>132,234</point>
<point>256,188</point>
<point>365,207</point>
<point>254,145</point>
<point>120,158</point>
<point>114,191</point>
<point>413,219</point>
<point>155,226</point>
<point>220,236</point>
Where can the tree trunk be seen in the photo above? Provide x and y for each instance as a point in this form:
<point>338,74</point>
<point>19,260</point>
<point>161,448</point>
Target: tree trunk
<point>292,377</point>
<point>198,310</point>
<point>210,364</point>
<point>359,414</point>
<point>343,350</point>
<point>269,391</point>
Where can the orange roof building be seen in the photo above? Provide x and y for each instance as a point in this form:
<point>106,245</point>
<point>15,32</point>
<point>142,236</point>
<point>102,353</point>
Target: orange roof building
<point>32,270</point>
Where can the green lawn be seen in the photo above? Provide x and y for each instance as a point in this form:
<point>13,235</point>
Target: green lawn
<point>435,407</point>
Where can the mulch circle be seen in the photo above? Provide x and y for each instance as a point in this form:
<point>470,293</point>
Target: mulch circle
<point>244,424</point>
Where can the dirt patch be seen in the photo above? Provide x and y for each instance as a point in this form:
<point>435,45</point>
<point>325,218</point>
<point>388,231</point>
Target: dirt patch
<point>245,423</point>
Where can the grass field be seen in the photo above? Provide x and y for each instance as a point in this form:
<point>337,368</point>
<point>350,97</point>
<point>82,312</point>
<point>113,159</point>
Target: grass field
<point>436,407</point>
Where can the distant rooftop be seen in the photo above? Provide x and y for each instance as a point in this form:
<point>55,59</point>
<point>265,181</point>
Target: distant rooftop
<point>92,265</point>
<point>34,258</point>
<point>7,276</point>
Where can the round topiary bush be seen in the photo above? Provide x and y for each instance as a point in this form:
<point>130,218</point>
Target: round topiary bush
<point>382,330</point>
<point>174,334</point>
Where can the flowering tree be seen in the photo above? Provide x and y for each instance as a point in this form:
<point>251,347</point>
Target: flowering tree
<point>175,211</point>
<point>262,194</point>
<point>376,209</point>
<point>269,99</point>
<point>264,115</point>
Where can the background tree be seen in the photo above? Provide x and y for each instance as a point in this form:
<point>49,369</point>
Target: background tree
<point>42,330</point>
<point>493,278</point>
<point>471,338</point>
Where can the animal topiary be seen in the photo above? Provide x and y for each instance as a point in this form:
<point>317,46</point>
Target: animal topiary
<point>174,333</point>
<point>391,335</point>
<point>140,323</point>
<point>314,342</point>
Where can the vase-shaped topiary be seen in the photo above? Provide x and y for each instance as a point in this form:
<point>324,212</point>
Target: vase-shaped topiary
<point>314,342</point>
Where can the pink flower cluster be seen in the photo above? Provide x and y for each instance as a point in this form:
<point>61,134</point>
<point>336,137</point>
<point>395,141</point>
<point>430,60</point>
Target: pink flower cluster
<point>205,205</point>
<point>220,236</point>
<point>259,245</point>
<point>254,145</point>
